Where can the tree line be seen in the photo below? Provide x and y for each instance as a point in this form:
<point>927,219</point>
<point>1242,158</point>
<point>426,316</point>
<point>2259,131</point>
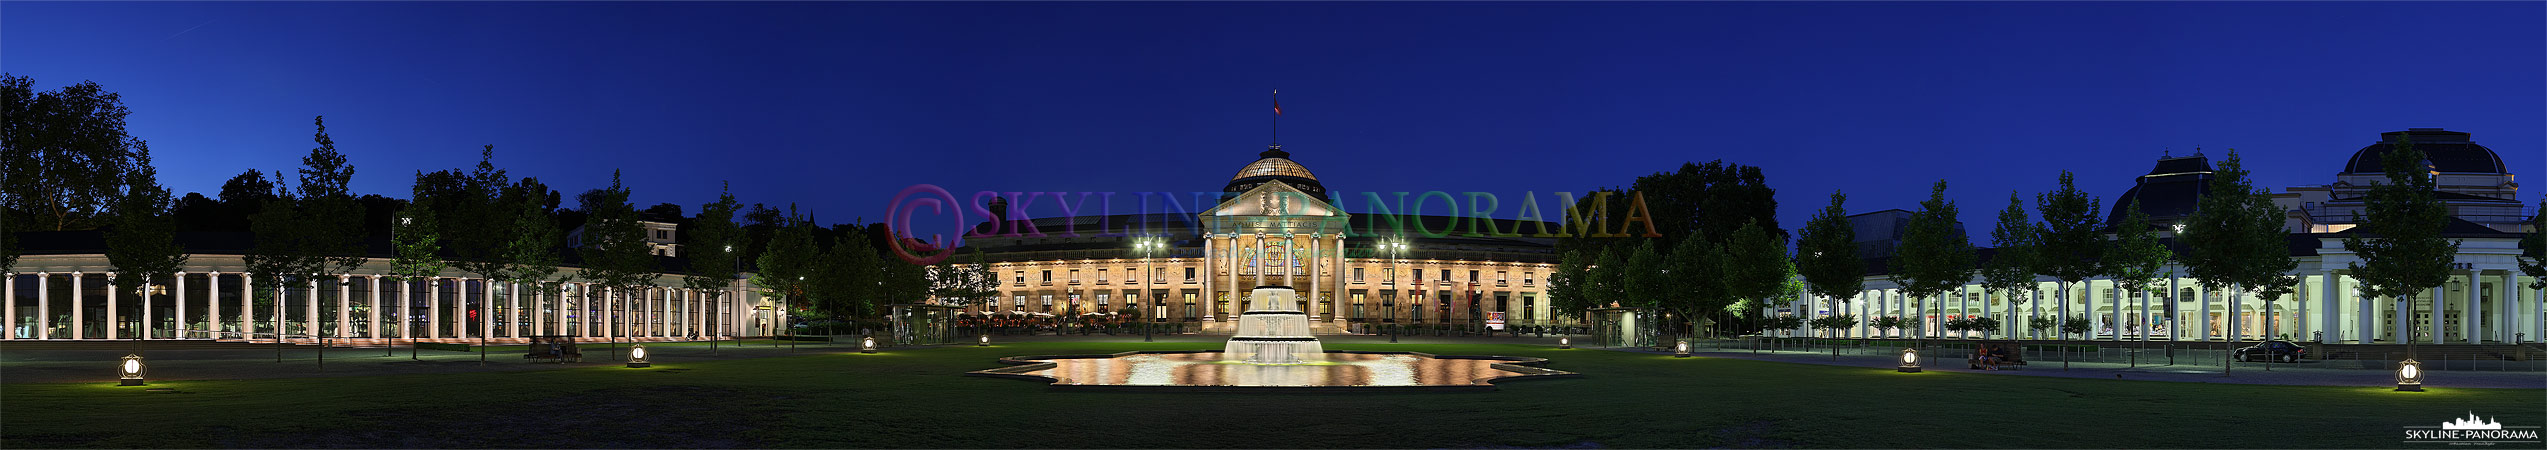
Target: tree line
<point>71,166</point>
<point>1723,256</point>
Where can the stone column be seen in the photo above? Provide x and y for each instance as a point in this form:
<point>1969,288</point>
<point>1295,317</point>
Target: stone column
<point>371,327</point>
<point>111,323</point>
<point>247,306</point>
<point>181,303</point>
<point>2141,321</point>
<point>9,310</point>
<point>2439,308</point>
<point>2506,309</point>
<point>433,310</point>
<point>1317,282</point>
<point>43,306</point>
<point>344,305</point>
<point>2329,297</point>
<point>2473,310</point>
<point>2202,302</point>
<point>79,312</point>
<point>311,308</point>
<point>212,305</point>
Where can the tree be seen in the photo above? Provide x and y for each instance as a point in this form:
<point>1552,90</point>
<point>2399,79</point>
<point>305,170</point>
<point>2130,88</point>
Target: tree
<point>2067,246</point>
<point>480,224</point>
<point>1569,291</point>
<point>973,283</point>
<point>1756,268</point>
<point>1608,285</point>
<point>2011,270</point>
<point>1934,256</point>
<point>2407,253</point>
<point>63,153</point>
<point>143,245</point>
<point>786,265</point>
<point>2236,240</point>
<point>1698,281</point>
<point>279,258</point>
<point>416,247</point>
<point>530,253</point>
<point>714,245</point>
<point>2134,259</point>
<point>1826,254</point>
<point>332,228</point>
<point>614,245</point>
<point>1646,285</point>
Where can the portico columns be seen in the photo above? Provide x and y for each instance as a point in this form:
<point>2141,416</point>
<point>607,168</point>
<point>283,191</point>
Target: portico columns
<point>43,307</point>
<point>9,312</point>
<point>344,305</point>
<point>371,327</point>
<point>2439,302</point>
<point>111,323</point>
<point>2330,290</point>
<point>2507,306</point>
<point>433,310</point>
<point>212,305</point>
<point>181,304</point>
<point>1315,262</point>
<point>79,312</point>
<point>2474,309</point>
<point>247,306</point>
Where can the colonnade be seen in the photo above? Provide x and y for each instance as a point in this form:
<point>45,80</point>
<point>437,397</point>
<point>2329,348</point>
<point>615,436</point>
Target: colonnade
<point>2478,306</point>
<point>480,309</point>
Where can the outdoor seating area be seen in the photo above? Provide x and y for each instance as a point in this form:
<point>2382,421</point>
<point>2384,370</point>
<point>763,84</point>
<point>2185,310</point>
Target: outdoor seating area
<point>1995,355</point>
<point>558,349</point>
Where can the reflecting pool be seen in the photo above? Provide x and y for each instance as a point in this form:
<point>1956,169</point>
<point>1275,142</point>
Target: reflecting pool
<point>1211,369</point>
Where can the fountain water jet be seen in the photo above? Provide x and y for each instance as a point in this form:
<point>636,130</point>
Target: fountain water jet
<point>1273,330</point>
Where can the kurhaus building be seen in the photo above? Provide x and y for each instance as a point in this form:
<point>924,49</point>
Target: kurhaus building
<point>1274,226</point>
<point>2487,299</point>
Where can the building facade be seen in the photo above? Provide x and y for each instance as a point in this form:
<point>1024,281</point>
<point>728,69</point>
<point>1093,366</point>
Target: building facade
<point>2487,299</point>
<point>1276,224</point>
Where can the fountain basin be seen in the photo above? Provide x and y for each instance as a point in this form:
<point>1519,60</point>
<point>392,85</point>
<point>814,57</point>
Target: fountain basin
<point>1211,370</point>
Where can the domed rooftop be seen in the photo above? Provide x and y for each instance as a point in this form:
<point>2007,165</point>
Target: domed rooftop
<point>2169,192</point>
<point>2449,151</point>
<point>1275,165</point>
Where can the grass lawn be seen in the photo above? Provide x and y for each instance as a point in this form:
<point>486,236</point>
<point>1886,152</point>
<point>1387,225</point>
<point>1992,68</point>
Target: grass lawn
<point>915,398</point>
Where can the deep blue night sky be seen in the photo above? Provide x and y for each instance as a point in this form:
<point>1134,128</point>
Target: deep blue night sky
<point>838,105</point>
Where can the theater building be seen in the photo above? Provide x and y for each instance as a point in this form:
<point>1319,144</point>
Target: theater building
<point>2486,300</point>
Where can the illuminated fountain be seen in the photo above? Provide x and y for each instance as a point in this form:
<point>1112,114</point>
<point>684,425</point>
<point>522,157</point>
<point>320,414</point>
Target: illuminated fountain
<point>1274,331</point>
<point>1273,349</point>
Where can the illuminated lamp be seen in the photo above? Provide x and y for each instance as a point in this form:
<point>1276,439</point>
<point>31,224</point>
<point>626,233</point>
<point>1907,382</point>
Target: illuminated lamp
<point>131,370</point>
<point>637,356</point>
<point>1565,342</point>
<point>1909,361</point>
<point>1680,350</point>
<point>2410,376</point>
<point>867,345</point>
<point>985,341</point>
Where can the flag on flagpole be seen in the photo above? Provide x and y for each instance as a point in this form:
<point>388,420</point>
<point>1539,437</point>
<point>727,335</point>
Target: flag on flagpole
<point>1277,102</point>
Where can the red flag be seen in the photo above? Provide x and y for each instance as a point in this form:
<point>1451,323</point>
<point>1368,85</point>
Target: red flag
<point>1277,103</point>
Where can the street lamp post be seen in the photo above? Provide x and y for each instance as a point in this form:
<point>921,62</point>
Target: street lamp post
<point>1397,269</point>
<point>1146,245</point>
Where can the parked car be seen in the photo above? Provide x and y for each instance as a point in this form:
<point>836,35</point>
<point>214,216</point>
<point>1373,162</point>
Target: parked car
<point>2283,351</point>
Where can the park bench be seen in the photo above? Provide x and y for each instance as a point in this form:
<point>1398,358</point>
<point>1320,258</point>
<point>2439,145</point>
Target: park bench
<point>2014,359</point>
<point>563,352</point>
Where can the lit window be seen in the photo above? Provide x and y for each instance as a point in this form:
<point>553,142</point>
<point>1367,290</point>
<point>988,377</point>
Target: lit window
<point>1357,275</point>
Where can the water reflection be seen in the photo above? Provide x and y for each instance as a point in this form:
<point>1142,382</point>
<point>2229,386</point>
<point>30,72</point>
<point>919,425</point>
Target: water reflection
<point>1207,369</point>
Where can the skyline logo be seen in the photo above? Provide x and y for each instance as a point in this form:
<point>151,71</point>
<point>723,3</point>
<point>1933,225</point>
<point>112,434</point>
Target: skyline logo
<point>2472,430</point>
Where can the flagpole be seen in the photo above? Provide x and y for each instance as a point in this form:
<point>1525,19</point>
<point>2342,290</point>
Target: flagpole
<point>1277,119</point>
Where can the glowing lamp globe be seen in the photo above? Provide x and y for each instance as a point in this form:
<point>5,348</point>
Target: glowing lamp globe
<point>131,370</point>
<point>637,356</point>
<point>867,345</point>
<point>1565,342</point>
<point>985,341</point>
<point>1680,350</point>
<point>2410,376</point>
<point>1909,361</point>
